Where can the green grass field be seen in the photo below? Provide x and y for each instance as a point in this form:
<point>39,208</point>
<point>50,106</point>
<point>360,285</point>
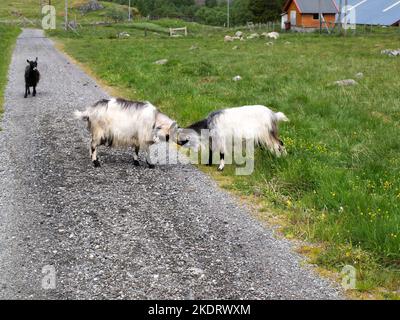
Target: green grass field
<point>13,10</point>
<point>340,183</point>
<point>7,36</point>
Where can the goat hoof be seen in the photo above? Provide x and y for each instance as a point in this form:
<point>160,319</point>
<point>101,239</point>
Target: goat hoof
<point>96,163</point>
<point>220,169</point>
<point>25,96</point>
<point>136,163</point>
<point>151,166</point>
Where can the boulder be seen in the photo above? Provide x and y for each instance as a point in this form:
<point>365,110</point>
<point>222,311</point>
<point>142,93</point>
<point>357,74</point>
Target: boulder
<point>253,36</point>
<point>162,61</point>
<point>239,34</point>
<point>92,5</point>
<point>124,34</point>
<point>359,75</point>
<point>346,82</point>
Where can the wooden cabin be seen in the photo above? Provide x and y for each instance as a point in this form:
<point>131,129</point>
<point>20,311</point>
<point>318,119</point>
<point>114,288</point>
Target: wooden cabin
<point>306,13</point>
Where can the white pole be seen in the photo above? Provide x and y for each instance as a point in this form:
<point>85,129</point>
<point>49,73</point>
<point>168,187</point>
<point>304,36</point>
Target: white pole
<point>129,15</point>
<point>319,16</point>
<point>340,17</point>
<point>345,18</point>
<point>228,14</point>
<point>66,15</point>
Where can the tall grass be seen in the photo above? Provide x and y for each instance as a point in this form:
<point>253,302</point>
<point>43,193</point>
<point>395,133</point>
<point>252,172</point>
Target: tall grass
<point>7,39</point>
<point>340,183</point>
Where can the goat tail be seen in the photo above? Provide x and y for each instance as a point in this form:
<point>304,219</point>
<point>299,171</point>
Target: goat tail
<point>280,116</point>
<point>81,115</point>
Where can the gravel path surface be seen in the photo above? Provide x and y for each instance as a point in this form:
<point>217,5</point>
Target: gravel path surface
<point>120,231</point>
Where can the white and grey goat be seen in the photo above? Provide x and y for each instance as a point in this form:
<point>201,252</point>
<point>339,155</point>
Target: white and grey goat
<point>255,123</point>
<point>123,123</point>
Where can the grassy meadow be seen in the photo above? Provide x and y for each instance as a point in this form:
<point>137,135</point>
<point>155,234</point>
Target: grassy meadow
<point>339,186</point>
<point>12,10</point>
<point>8,35</point>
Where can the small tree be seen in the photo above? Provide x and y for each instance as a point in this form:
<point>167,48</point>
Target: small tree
<point>240,12</point>
<point>213,16</point>
<point>265,10</point>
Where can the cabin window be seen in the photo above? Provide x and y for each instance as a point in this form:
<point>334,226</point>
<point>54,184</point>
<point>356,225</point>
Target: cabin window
<point>316,16</point>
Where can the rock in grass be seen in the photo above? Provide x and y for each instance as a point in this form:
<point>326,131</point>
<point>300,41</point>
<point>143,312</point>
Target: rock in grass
<point>346,82</point>
<point>270,43</point>
<point>253,36</point>
<point>162,61</point>
<point>239,34</point>
<point>124,34</point>
<point>235,48</point>
<point>359,75</point>
<point>92,5</point>
<point>237,78</point>
<point>193,47</point>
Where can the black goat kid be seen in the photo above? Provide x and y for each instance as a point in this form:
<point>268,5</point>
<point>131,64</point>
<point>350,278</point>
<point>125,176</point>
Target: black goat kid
<point>32,77</point>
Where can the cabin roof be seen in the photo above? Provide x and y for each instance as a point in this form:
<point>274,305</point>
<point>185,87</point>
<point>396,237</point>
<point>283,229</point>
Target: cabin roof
<point>313,6</point>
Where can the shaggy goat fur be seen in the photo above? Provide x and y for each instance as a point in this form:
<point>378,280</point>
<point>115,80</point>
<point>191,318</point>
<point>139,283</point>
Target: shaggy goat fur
<point>122,123</point>
<point>257,123</point>
<point>32,77</point>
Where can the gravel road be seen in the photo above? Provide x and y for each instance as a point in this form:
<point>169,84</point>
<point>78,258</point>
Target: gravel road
<point>120,231</point>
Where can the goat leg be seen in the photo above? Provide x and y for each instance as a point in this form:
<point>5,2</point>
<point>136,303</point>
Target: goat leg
<point>210,154</point>
<point>136,156</point>
<point>148,160</point>
<point>93,154</point>
<point>222,161</point>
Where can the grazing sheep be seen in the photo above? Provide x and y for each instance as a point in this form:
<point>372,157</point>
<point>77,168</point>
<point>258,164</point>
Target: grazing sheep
<point>248,122</point>
<point>122,123</point>
<point>271,35</point>
<point>32,77</point>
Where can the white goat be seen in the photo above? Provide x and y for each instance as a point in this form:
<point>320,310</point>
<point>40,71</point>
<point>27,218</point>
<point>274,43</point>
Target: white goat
<point>122,123</point>
<point>257,123</point>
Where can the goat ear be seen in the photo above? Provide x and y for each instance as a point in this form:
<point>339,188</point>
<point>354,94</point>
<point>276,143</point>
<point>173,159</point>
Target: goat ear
<point>36,59</point>
<point>28,61</point>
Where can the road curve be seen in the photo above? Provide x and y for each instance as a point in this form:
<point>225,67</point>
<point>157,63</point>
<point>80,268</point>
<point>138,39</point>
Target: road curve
<point>120,232</point>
